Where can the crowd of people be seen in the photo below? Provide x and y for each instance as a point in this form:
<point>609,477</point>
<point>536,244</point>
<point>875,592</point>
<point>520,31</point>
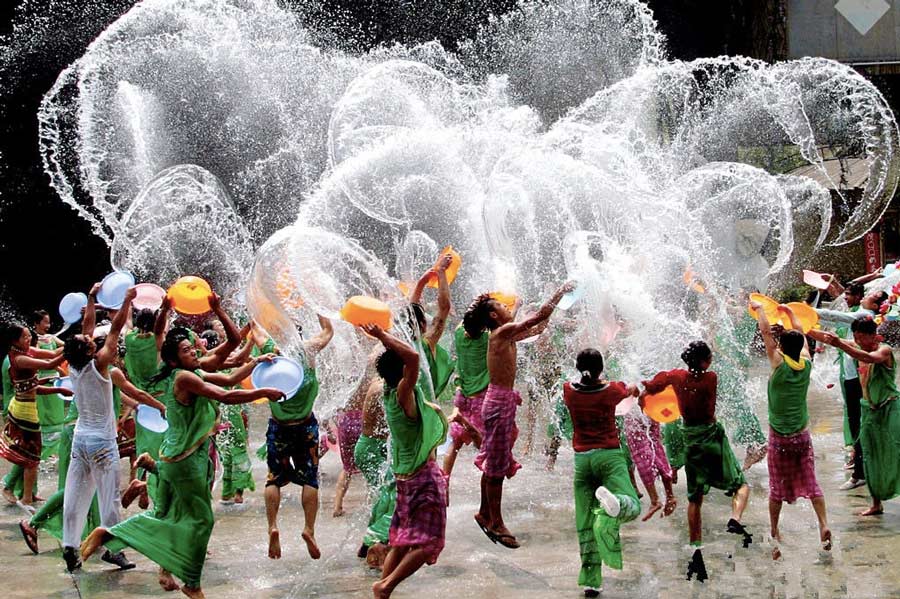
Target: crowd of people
<point>191,371</point>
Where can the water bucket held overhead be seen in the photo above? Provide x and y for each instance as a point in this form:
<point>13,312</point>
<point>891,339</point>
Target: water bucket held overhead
<point>113,288</point>
<point>281,373</point>
<point>190,295</point>
<point>570,299</point>
<point>805,313</point>
<point>148,296</point>
<point>452,270</point>
<point>815,279</point>
<point>362,309</point>
<point>770,307</point>
<point>507,299</point>
<point>70,307</point>
<point>663,406</point>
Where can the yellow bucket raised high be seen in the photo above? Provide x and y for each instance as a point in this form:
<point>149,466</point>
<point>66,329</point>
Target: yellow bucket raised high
<point>507,299</point>
<point>190,295</point>
<point>769,306</point>
<point>361,309</point>
<point>805,313</point>
<point>452,270</point>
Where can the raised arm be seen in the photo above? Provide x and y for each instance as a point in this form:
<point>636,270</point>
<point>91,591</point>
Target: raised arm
<point>439,322</point>
<point>110,349</point>
<point>89,320</point>
<point>162,322</point>
<point>796,325</point>
<point>238,374</point>
<point>188,383</point>
<point>215,360</point>
<point>406,389</point>
<point>765,330</point>
<point>523,329</point>
<point>320,341</point>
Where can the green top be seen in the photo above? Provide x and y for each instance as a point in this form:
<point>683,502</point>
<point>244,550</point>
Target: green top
<point>8,391</point>
<point>471,362</point>
<point>787,398</point>
<point>141,358</point>
<point>268,347</point>
<point>189,426</point>
<point>412,440</point>
<point>879,386</point>
<point>300,405</point>
<point>440,367</point>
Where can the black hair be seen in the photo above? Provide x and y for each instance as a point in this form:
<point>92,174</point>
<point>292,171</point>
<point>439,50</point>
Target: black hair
<point>882,297</point>
<point>211,337</point>
<point>791,343</point>
<point>76,351</point>
<point>9,334</point>
<point>209,324</point>
<point>34,337</point>
<point>857,289</point>
<point>145,320</point>
<point>418,313</point>
<point>865,325</point>
<point>390,367</point>
<point>168,353</point>
<point>695,354</point>
<point>590,364</point>
<point>478,316</point>
<point>36,317</point>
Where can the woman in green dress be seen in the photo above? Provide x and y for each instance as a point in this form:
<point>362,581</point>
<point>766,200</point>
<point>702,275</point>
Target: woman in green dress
<point>176,532</point>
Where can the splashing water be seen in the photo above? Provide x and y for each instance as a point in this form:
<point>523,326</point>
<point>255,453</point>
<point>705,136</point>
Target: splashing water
<point>560,142</point>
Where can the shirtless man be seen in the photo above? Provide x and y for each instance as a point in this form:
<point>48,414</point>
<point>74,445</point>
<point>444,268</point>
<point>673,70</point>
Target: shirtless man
<point>495,458</point>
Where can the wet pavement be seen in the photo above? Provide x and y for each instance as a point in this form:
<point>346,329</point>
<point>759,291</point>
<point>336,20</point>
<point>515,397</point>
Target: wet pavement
<point>540,511</point>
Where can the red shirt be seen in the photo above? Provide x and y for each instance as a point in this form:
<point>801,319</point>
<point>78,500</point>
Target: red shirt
<point>696,394</point>
<point>594,415</point>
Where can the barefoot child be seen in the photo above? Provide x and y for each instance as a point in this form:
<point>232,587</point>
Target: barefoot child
<point>604,495</point>
<point>709,461</point>
<point>417,428</point>
<point>495,459</point>
<point>880,423</point>
<point>649,457</point>
<point>792,463</point>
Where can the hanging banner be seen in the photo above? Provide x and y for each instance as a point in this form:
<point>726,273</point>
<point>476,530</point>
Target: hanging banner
<point>872,243</point>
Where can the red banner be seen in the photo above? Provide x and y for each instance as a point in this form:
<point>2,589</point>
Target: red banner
<point>872,244</point>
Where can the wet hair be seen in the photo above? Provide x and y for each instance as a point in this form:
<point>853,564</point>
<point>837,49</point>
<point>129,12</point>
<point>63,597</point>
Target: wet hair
<point>881,298</point>
<point>590,364</point>
<point>210,324</point>
<point>9,334</point>
<point>418,313</point>
<point>34,337</point>
<point>478,316</point>
<point>211,337</point>
<point>857,289</point>
<point>168,353</point>
<point>865,326</point>
<point>791,343</point>
<point>390,368</point>
<point>76,351</point>
<point>145,320</point>
<point>695,354</point>
<point>36,317</point>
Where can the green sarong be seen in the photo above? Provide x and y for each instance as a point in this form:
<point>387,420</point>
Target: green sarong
<point>880,438</point>
<point>709,461</point>
<point>598,533</point>
<point>175,533</point>
<point>237,470</point>
<point>673,439</point>
<point>146,441</point>
<point>370,455</point>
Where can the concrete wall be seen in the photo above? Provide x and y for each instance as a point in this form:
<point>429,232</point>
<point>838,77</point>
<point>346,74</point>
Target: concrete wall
<point>817,28</point>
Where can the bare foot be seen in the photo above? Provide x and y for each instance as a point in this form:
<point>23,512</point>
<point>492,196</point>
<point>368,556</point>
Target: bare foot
<point>167,581</point>
<point>776,546</point>
<point>376,556</point>
<point>671,504</point>
<point>380,591</point>
<point>337,513</point>
<point>93,542</point>
<point>311,546</point>
<point>274,544</point>
<point>193,592</point>
<point>239,498</point>
<point>826,540</point>
<point>146,462</point>
<point>872,511</point>
<point>654,507</point>
<point>38,498</point>
<point>9,496</point>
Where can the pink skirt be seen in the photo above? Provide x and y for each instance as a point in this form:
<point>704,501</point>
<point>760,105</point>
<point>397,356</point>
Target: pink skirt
<point>495,458</point>
<point>420,518</point>
<point>349,430</point>
<point>792,467</point>
<point>470,409</point>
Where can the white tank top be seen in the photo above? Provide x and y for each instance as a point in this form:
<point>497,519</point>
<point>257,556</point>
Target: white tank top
<point>94,399</point>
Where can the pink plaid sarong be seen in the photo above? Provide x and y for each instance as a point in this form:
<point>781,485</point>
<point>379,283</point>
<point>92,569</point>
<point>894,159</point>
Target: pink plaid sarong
<point>420,518</point>
<point>470,409</point>
<point>498,412</point>
<point>349,430</point>
<point>647,450</point>
<point>792,467</point>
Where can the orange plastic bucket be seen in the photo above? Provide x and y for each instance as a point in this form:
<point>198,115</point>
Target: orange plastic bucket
<point>190,295</point>
<point>452,270</point>
<point>361,309</point>
<point>662,407</point>
<point>805,313</point>
<point>770,307</point>
<point>507,299</point>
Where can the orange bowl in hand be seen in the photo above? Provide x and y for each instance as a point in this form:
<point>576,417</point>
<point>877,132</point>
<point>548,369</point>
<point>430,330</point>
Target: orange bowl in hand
<point>362,309</point>
<point>452,270</point>
<point>190,295</point>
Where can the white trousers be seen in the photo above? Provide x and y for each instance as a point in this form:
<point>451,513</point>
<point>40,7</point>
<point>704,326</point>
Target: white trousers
<point>94,468</point>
